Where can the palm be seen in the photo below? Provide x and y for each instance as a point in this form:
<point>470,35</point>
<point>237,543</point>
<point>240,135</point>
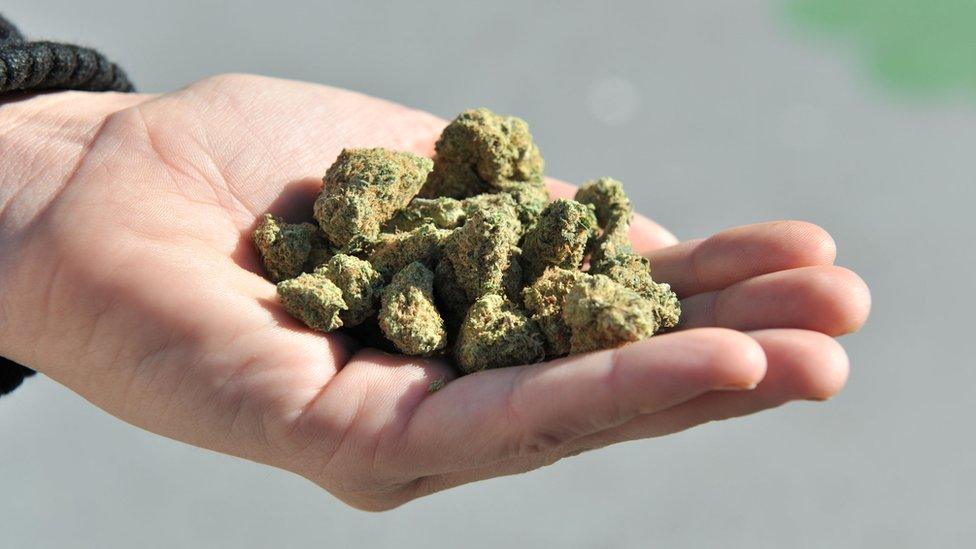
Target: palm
<point>183,337</point>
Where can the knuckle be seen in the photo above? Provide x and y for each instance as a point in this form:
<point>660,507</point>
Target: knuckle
<point>538,441</point>
<point>532,437</point>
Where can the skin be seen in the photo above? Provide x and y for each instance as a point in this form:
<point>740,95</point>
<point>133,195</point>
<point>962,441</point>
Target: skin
<point>127,275</point>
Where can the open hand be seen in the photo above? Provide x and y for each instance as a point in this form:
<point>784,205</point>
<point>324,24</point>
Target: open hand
<point>127,274</point>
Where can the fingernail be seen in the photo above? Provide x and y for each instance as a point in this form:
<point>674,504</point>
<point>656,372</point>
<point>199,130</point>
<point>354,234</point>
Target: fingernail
<point>738,387</point>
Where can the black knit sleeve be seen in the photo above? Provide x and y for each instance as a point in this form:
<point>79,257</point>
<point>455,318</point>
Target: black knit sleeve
<point>36,66</point>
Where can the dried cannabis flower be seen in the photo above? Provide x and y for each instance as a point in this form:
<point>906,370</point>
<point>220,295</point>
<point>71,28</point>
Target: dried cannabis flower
<point>602,314</point>
<point>360,284</point>
<point>496,334</point>
<point>450,213</point>
<point>609,201</point>
<point>529,201</point>
<point>481,251</point>
<point>613,212</point>
<point>465,256</point>
<point>634,272</point>
<point>287,249</point>
<point>452,300</point>
<point>545,299</point>
<point>408,316</point>
<point>314,300</point>
<point>613,255</point>
<point>480,151</point>
<point>559,238</point>
<point>390,252</point>
<point>363,189</point>
<point>443,213</point>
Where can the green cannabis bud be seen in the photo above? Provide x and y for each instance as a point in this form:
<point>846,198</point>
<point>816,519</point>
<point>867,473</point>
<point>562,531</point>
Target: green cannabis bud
<point>288,249</point>
<point>613,255</point>
<point>452,300</point>
<point>443,213</point>
<point>634,272</point>
<point>360,284</point>
<point>603,314</point>
<point>481,251</point>
<point>496,334</point>
<point>465,257</point>
<point>408,316</point>
<point>529,201</point>
<point>558,238</point>
<point>364,188</point>
<point>390,252</point>
<point>479,152</point>
<point>613,212</point>
<point>313,299</point>
<point>450,213</point>
<point>545,299</point>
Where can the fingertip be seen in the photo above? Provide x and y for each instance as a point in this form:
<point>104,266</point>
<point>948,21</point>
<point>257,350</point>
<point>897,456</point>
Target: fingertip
<point>726,359</point>
<point>811,244</point>
<point>744,360</point>
<point>859,304</point>
<point>752,250</point>
<point>834,370</point>
<point>844,299</point>
<point>810,365</point>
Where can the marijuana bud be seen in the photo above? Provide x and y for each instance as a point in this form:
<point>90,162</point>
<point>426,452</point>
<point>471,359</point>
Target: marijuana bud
<point>613,255</point>
<point>452,300</point>
<point>443,213</point>
<point>613,212</point>
<point>364,188</point>
<point>481,250</point>
<point>408,316</point>
<point>465,256</point>
<point>529,201</point>
<point>360,284</point>
<point>603,314</point>
<point>287,249</point>
<point>545,299</point>
<point>559,237</point>
<point>496,334</point>
<point>390,252</point>
<point>480,151</point>
<point>608,199</point>
<point>634,272</point>
<point>314,300</point>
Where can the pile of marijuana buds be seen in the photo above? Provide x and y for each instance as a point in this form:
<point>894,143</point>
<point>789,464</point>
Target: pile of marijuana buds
<point>464,256</point>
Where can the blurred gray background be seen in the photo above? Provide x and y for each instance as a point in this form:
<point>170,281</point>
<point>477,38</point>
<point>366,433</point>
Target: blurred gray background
<point>715,113</point>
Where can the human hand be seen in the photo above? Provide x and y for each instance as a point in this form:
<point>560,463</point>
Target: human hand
<point>128,276</point>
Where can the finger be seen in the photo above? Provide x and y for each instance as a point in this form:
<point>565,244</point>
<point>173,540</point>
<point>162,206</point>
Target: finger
<point>830,300</point>
<point>645,235</point>
<point>502,414</point>
<point>734,255</point>
<point>802,365</point>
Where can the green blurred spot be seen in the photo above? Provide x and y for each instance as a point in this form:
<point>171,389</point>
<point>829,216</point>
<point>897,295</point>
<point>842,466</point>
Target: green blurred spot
<point>919,45</point>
